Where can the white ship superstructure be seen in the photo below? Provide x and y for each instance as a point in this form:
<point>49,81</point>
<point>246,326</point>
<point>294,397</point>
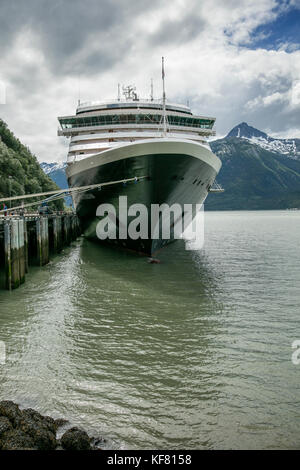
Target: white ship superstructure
<point>99,126</point>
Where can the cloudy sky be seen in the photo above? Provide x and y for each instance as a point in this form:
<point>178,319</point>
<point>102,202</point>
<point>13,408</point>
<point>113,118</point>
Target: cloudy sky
<point>238,60</point>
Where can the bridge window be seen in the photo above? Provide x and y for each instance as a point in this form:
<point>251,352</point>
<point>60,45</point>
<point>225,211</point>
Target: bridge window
<point>118,119</point>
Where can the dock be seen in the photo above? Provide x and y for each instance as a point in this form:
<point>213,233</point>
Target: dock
<point>31,240</point>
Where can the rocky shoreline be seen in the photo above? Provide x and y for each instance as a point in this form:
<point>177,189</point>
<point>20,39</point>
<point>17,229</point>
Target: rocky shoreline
<point>29,430</point>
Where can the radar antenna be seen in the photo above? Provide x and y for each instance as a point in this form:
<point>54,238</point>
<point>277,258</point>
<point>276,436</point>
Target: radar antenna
<point>130,93</point>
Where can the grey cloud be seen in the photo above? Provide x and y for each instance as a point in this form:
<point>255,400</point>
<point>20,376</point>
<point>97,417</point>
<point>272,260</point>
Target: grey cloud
<point>275,116</point>
<point>67,27</point>
<point>93,36</point>
<point>232,109</point>
<point>178,31</point>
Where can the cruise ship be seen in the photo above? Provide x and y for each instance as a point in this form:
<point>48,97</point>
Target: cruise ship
<point>150,150</point>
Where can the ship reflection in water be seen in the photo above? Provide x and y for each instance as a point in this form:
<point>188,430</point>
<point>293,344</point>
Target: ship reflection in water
<point>192,353</point>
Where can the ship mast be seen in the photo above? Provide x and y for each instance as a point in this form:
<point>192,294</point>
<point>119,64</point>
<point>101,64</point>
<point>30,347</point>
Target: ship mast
<point>164,96</point>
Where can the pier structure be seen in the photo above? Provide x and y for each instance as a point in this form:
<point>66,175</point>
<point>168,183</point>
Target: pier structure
<point>30,240</point>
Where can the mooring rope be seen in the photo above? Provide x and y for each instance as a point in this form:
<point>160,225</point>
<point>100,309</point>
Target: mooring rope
<point>63,193</point>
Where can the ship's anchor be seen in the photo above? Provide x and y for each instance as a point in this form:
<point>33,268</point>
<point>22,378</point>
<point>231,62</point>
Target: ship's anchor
<point>153,261</point>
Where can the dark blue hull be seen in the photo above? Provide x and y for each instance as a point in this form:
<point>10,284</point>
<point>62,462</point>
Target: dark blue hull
<point>174,178</point>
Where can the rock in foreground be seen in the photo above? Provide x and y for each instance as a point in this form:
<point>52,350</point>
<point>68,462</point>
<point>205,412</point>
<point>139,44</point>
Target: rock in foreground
<point>75,439</point>
<point>28,429</point>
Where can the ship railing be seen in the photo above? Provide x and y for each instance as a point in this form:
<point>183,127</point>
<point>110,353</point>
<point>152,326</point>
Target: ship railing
<point>121,100</point>
<point>70,130</point>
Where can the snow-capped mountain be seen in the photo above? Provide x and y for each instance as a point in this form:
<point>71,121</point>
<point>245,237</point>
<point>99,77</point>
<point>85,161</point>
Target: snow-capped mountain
<point>258,172</point>
<point>50,167</point>
<point>56,171</point>
<point>288,147</point>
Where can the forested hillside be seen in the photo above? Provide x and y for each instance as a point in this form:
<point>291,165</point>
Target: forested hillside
<point>17,161</point>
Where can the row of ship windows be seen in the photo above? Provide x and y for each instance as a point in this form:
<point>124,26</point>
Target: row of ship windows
<point>125,131</point>
<point>69,123</point>
<point>126,137</point>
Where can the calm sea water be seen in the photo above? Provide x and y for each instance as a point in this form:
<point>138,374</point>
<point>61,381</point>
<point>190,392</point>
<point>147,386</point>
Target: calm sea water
<point>192,353</point>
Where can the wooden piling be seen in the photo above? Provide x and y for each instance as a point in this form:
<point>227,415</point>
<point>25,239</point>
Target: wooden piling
<point>45,240</point>
<point>39,241</point>
<point>15,254</point>
<point>73,231</point>
<point>76,227</point>
<point>57,235</point>
<point>42,237</point>
<point>21,254</point>
<point>66,230</point>
<point>7,250</point>
<point>26,245</point>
